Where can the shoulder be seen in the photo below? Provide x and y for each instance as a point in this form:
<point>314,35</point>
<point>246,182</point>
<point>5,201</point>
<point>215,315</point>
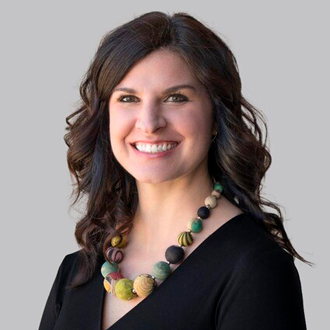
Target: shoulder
<point>66,271</point>
<point>255,259</point>
<point>245,246</point>
<point>261,281</point>
<point>241,233</point>
<point>246,237</point>
<point>58,291</point>
<point>69,262</point>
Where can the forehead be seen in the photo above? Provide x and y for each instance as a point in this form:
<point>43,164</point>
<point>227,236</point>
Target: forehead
<point>160,69</point>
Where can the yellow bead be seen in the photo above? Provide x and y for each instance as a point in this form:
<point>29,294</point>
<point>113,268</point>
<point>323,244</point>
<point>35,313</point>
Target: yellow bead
<point>107,285</point>
<point>123,243</point>
<point>124,289</point>
<point>115,241</point>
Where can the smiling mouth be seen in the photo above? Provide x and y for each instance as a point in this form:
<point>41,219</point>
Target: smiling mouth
<point>155,148</point>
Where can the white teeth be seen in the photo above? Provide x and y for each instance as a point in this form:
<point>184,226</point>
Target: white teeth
<point>155,148</point>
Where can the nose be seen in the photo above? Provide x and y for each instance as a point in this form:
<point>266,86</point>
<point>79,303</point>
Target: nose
<point>150,118</point>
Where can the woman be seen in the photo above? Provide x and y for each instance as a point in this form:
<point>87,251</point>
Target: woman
<point>171,158</point>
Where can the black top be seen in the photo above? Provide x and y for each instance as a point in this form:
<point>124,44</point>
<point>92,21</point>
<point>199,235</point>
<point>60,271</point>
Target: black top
<point>238,278</point>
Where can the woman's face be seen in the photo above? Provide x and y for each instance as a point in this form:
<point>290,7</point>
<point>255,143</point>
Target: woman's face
<point>146,108</point>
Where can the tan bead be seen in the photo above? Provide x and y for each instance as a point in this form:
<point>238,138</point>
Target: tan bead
<point>216,193</point>
<point>143,285</point>
<point>211,200</point>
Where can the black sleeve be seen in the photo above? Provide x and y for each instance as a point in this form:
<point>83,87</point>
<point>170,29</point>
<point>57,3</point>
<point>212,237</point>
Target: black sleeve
<point>268,296</point>
<point>55,298</point>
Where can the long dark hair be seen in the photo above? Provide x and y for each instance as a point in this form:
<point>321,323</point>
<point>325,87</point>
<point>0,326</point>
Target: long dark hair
<point>238,159</point>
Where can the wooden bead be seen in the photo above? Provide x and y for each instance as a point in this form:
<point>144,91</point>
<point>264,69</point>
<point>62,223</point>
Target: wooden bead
<point>195,225</point>
<point>114,254</point>
<point>108,268</point>
<point>144,284</point>
<point>124,289</point>
<point>185,238</point>
<point>115,241</point>
<point>211,200</point>
<point>174,254</point>
<point>218,186</point>
<point>161,270</point>
<point>203,212</point>
<point>216,194</point>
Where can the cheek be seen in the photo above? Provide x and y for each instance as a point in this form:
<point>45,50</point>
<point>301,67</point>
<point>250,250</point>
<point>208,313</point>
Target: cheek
<point>118,132</point>
<point>197,124</point>
<point>119,126</point>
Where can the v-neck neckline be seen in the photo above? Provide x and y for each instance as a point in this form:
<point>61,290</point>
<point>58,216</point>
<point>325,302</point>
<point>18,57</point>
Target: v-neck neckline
<point>184,264</point>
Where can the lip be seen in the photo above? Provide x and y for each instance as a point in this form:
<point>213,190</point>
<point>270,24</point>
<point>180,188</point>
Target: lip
<point>154,142</point>
<point>155,155</point>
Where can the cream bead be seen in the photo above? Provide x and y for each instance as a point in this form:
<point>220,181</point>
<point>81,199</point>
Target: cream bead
<point>211,200</point>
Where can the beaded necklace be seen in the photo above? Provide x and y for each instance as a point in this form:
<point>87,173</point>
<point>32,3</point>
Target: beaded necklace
<point>126,289</point>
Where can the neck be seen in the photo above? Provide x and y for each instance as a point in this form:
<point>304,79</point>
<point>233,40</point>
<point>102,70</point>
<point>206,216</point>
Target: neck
<point>165,209</point>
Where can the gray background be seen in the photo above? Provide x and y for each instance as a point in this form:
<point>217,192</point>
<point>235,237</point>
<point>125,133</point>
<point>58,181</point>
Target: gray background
<point>283,56</point>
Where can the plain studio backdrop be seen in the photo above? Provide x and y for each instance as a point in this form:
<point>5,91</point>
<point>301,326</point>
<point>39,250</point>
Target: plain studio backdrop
<point>282,50</point>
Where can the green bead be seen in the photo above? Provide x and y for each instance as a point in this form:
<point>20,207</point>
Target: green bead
<point>161,270</point>
<point>108,268</point>
<point>218,186</point>
<point>195,225</point>
<point>124,288</point>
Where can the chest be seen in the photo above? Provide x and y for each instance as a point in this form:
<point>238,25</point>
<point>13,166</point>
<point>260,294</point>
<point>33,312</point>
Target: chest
<point>176,305</point>
<point>114,309</point>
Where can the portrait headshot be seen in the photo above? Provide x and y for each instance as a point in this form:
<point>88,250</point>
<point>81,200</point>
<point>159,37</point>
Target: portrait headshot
<point>170,154</point>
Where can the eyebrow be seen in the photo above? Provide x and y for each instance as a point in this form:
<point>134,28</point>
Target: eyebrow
<point>168,90</point>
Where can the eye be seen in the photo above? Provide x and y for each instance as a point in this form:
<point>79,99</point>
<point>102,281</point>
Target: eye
<point>178,98</point>
<point>122,97</point>
<point>181,97</point>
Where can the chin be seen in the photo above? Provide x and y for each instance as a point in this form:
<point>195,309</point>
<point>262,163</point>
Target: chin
<point>150,180</point>
<point>153,178</point>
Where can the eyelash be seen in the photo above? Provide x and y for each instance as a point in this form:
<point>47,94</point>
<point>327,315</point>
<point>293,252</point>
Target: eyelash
<point>120,98</point>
